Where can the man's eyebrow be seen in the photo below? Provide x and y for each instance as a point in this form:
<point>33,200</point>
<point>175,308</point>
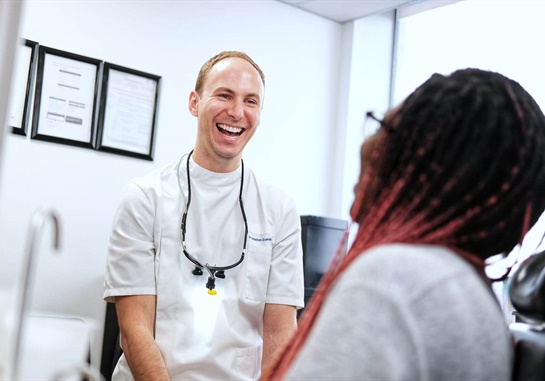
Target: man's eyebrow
<point>223,89</point>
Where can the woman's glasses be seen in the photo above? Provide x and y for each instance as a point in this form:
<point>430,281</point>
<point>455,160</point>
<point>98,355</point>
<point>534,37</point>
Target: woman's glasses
<point>373,121</point>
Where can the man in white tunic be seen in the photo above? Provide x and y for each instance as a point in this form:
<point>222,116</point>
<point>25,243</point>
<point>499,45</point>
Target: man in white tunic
<point>205,260</point>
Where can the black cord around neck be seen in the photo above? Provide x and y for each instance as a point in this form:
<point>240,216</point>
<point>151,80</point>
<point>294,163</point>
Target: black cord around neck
<point>213,271</point>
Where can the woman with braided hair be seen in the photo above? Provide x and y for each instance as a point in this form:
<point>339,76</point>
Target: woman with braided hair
<point>454,175</point>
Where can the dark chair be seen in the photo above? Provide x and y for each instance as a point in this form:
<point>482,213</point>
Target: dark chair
<point>111,350</point>
<point>527,293</point>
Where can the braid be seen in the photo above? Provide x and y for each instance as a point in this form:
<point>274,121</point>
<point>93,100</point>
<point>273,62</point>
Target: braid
<point>461,164</point>
<point>458,160</point>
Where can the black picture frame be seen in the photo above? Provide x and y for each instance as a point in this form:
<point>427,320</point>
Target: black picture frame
<point>19,123</point>
<point>128,112</point>
<point>67,87</point>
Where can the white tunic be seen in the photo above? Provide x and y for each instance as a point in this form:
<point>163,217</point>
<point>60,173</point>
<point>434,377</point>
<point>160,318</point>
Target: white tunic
<point>204,336</point>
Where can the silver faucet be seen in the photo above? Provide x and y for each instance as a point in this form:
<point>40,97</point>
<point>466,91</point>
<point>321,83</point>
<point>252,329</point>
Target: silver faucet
<point>36,224</point>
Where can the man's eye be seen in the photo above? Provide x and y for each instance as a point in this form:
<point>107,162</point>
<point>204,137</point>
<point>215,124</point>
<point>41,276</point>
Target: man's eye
<point>226,96</point>
<point>252,101</point>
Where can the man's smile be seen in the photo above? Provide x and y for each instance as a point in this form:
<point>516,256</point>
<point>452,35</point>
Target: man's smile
<point>229,130</point>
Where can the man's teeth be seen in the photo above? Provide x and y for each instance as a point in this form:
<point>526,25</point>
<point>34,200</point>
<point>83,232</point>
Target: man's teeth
<point>234,130</point>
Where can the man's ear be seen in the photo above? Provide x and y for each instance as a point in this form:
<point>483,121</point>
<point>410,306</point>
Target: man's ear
<point>193,102</point>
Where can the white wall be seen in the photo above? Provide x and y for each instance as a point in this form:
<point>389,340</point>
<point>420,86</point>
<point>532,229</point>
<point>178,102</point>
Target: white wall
<point>299,54</point>
<point>369,90</point>
<point>501,35</point>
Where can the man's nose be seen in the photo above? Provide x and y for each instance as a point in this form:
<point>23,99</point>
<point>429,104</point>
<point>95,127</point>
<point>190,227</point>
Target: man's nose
<point>236,111</point>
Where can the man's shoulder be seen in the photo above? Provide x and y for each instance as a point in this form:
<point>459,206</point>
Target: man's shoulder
<point>154,177</point>
<point>268,188</point>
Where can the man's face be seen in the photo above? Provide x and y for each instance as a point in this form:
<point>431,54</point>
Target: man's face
<point>228,111</point>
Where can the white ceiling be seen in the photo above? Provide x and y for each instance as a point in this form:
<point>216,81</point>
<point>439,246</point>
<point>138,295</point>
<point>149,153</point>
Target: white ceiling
<point>345,10</point>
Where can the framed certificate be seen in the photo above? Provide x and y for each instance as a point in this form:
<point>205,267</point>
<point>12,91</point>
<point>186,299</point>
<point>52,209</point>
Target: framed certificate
<point>128,112</point>
<point>66,98</point>
<point>24,71</point>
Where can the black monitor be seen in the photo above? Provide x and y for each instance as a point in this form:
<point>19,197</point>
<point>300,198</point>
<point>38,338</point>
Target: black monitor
<point>321,237</point>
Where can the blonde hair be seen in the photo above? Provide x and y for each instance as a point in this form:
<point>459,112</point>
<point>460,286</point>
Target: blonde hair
<point>205,69</point>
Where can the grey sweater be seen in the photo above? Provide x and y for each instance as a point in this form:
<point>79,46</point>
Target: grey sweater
<point>407,312</point>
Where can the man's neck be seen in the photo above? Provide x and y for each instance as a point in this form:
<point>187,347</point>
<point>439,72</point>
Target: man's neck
<point>215,164</point>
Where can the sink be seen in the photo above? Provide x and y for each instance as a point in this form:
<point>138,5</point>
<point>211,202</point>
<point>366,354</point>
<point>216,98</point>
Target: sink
<point>41,347</point>
<point>53,348</point>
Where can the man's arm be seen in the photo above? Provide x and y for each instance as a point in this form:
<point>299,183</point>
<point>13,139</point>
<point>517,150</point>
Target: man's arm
<point>279,324</point>
<point>136,316</point>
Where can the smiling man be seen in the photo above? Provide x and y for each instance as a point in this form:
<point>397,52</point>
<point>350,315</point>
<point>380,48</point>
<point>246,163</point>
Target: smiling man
<point>227,101</point>
<point>205,260</point>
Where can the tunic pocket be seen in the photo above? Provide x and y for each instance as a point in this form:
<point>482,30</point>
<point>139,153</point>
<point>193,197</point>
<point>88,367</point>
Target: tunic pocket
<point>258,257</point>
<point>249,361</point>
